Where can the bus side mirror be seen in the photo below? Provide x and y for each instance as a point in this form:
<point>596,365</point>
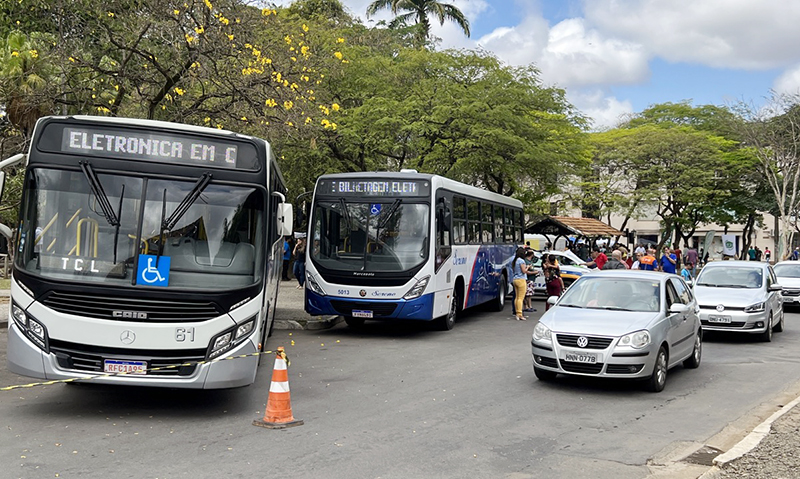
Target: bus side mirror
<point>285,219</point>
<point>2,184</point>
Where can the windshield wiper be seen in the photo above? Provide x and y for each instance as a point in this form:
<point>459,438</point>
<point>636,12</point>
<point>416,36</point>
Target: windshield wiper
<point>571,306</point>
<point>388,215</point>
<point>345,213</point>
<point>102,199</point>
<point>188,201</point>
<point>710,285</point>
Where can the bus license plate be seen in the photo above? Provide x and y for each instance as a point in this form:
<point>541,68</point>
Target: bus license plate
<point>128,367</point>
<point>360,313</point>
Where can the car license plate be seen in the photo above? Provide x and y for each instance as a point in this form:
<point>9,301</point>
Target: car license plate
<point>715,318</point>
<point>360,313</point>
<point>128,367</point>
<point>580,357</point>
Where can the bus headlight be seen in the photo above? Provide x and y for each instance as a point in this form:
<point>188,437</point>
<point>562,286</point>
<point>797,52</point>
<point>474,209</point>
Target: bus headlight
<point>30,327</point>
<point>220,344</point>
<point>312,284</point>
<point>231,338</point>
<point>417,290</point>
<point>245,329</point>
<point>19,316</point>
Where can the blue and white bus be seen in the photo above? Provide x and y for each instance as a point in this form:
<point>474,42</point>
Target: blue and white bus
<point>408,246</point>
<point>145,248</point>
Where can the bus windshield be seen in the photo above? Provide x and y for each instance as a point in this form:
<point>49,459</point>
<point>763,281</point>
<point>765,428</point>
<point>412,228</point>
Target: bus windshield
<point>91,228</point>
<point>381,234</point>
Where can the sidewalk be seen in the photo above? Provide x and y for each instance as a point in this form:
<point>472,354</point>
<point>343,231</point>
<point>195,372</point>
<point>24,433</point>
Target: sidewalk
<point>289,313</point>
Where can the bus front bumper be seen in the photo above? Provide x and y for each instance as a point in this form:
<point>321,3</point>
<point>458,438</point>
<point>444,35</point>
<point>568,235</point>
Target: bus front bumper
<point>25,358</point>
<point>420,309</point>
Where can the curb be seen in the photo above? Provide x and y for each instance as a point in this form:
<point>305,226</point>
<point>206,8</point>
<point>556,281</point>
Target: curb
<point>748,443</point>
<point>326,322</point>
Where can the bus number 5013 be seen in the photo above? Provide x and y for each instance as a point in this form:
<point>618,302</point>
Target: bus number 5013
<point>182,333</point>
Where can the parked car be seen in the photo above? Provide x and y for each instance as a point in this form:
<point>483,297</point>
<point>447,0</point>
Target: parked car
<point>788,275</point>
<point>571,266</point>
<point>741,296</point>
<point>619,324</point>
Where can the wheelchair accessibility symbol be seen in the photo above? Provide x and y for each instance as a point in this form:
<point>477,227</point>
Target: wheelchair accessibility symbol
<point>151,275</point>
<point>375,209</point>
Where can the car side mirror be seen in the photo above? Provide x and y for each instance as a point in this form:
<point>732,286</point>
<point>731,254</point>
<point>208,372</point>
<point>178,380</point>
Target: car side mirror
<point>678,308</point>
<point>552,300</point>
<point>775,287</point>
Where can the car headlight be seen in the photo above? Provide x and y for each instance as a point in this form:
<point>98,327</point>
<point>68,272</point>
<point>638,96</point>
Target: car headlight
<point>312,283</point>
<point>542,333</point>
<point>755,308</point>
<point>417,290</point>
<point>636,340</point>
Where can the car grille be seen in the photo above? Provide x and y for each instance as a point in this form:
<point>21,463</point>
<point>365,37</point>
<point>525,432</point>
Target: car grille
<point>791,292</point>
<point>727,308</point>
<point>574,367</point>
<point>733,324</point>
<point>378,309</point>
<point>89,359</point>
<point>624,368</point>
<point>101,307</point>
<point>545,361</point>
<point>594,342</point>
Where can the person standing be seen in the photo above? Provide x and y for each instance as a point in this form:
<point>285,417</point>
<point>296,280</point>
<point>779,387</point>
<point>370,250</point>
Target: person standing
<point>299,269</point>
<point>552,277</point>
<point>678,257</point>
<point>668,262</point>
<point>287,258</point>
<point>519,279</point>
<point>691,257</point>
<point>648,262</point>
<point>598,259</point>
<point>615,262</point>
<point>758,253</point>
<point>530,282</point>
<point>751,253</point>
<point>686,272</point>
<point>767,254</point>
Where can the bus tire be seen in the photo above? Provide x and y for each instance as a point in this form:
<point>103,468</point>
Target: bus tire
<point>500,300</point>
<point>354,322</point>
<point>446,322</point>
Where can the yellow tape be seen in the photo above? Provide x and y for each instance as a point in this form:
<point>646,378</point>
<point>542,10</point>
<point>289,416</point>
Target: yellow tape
<point>109,375</point>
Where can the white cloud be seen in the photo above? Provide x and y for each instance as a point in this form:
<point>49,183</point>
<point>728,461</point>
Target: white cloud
<point>718,33</point>
<point>789,82</point>
<point>605,111</point>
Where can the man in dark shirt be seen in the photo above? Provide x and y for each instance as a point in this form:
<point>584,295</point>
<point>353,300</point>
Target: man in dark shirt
<point>615,262</point>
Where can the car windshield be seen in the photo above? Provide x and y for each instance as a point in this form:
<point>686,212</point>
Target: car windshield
<point>787,270</point>
<point>385,234</point>
<point>617,294</point>
<point>73,231</point>
<point>735,277</point>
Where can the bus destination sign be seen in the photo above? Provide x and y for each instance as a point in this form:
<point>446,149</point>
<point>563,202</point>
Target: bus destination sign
<point>362,187</point>
<point>142,145</point>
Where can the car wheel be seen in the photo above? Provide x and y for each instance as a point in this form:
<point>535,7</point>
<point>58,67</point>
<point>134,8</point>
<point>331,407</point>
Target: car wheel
<point>658,379</point>
<point>544,374</point>
<point>779,327</point>
<point>500,300</point>
<point>447,321</point>
<point>354,322</point>
<point>693,361</point>
<point>766,336</point>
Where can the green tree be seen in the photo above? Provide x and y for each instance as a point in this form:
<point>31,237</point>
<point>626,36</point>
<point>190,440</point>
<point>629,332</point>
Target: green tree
<point>419,11</point>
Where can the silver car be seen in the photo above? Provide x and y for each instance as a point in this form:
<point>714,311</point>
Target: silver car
<point>619,324</point>
<point>788,275</point>
<point>742,296</point>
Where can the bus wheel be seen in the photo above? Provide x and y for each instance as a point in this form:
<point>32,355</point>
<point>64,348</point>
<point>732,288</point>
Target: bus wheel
<point>354,322</point>
<point>447,321</point>
<point>500,300</point>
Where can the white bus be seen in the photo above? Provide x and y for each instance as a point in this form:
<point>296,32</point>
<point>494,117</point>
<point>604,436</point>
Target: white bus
<point>407,246</point>
<point>143,245</point>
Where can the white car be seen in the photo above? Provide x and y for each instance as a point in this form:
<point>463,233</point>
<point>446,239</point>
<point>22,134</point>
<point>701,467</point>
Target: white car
<point>788,274</point>
<point>571,266</point>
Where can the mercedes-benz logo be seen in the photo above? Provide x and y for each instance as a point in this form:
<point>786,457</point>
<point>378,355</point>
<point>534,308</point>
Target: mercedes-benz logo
<point>127,337</point>
<point>720,308</point>
<point>362,293</point>
<point>582,342</point>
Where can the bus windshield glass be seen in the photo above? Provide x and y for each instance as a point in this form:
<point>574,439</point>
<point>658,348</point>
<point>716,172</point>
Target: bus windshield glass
<point>92,227</point>
<point>381,234</point>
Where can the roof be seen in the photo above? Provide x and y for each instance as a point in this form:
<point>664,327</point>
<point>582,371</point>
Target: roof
<point>565,225</point>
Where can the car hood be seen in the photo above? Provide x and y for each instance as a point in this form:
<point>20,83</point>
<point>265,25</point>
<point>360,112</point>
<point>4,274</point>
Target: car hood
<point>730,297</point>
<point>599,322</point>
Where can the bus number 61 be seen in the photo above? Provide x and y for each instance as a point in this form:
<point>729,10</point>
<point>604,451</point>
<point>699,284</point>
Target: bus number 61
<point>182,333</point>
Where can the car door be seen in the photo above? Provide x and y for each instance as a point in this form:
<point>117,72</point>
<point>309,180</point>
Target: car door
<point>675,322</point>
<point>689,324</point>
<point>774,298</point>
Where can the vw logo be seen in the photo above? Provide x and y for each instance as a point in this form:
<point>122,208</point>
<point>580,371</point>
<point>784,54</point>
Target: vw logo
<point>127,337</point>
<point>362,293</point>
<point>720,308</point>
<point>582,342</point>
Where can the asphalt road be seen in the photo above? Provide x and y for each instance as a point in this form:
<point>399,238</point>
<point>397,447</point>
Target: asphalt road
<point>393,401</point>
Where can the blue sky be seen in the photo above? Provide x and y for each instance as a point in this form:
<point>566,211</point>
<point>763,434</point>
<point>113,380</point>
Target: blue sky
<point>617,57</point>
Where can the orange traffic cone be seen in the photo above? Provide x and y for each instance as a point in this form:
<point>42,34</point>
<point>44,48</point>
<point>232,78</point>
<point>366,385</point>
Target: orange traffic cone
<point>279,408</point>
